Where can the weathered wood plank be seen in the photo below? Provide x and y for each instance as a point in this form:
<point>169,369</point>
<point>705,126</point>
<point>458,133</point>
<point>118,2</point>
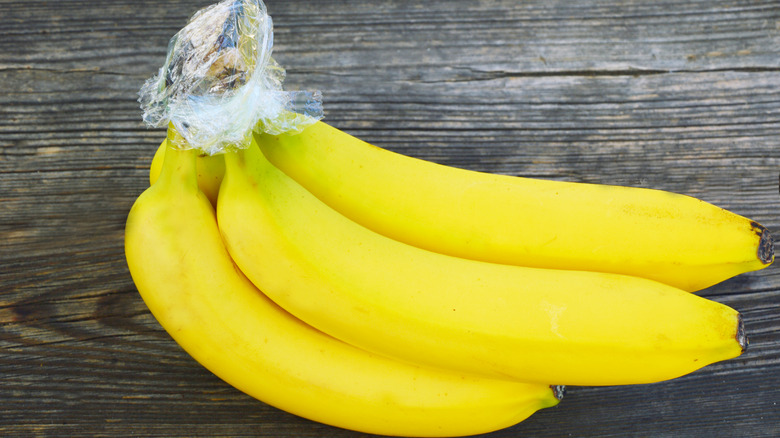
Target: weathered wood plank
<point>681,96</point>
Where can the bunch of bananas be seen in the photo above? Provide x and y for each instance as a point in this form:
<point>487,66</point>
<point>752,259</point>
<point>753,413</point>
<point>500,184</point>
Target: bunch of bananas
<point>381,293</point>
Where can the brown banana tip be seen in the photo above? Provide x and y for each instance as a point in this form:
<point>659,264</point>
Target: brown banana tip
<point>742,338</point>
<point>766,247</point>
<point>558,391</point>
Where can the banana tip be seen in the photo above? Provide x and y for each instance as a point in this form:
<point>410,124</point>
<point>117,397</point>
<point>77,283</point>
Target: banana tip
<point>741,335</point>
<point>558,391</point>
<point>766,245</point>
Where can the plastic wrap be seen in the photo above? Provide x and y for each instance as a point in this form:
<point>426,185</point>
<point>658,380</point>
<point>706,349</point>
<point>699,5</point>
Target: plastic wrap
<point>219,81</point>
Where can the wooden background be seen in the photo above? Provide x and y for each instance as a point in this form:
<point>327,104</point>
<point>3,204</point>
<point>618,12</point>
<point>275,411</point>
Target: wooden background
<point>676,95</point>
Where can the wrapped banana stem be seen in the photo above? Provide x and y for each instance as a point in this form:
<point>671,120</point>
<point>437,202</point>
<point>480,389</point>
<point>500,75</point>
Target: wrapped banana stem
<point>219,82</point>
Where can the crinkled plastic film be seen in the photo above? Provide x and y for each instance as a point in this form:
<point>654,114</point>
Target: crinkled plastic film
<point>219,82</point>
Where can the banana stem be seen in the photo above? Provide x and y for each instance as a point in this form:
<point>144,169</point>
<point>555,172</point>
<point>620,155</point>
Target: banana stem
<point>237,161</point>
<point>179,167</point>
<point>233,159</point>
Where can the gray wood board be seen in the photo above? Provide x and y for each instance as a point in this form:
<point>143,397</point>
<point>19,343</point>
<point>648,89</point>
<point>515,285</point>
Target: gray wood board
<point>680,96</point>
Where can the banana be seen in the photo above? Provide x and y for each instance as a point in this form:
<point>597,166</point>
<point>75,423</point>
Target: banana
<point>210,168</point>
<point>671,238</point>
<point>530,324</point>
<point>189,282</point>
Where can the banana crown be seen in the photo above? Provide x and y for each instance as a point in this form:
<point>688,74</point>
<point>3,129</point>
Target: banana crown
<point>219,81</point>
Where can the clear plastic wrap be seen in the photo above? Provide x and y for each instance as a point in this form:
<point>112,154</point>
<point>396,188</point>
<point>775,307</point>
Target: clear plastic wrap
<point>219,81</point>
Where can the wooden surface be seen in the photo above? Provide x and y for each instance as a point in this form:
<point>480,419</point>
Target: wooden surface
<point>676,95</point>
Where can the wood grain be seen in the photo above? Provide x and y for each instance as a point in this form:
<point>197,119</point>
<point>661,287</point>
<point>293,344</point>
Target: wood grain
<point>681,96</point>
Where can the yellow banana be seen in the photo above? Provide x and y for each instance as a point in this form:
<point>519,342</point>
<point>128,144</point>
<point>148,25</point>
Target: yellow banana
<point>667,237</point>
<point>210,168</point>
<point>540,325</point>
<point>188,280</point>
